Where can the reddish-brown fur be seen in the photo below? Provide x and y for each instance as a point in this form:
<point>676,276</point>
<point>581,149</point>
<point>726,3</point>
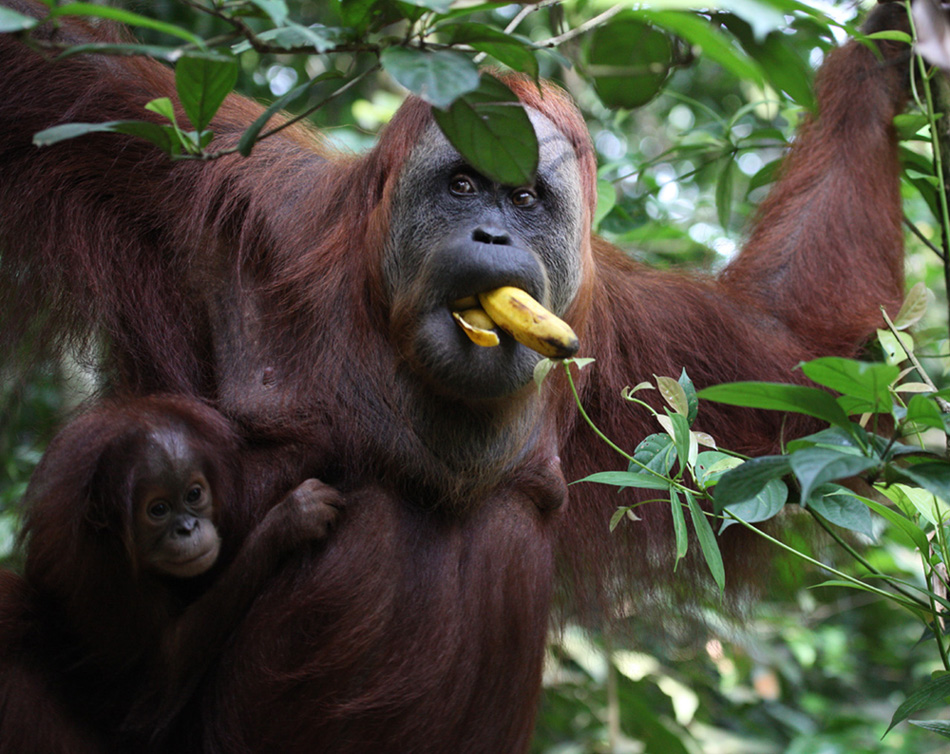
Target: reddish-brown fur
<point>256,284</point>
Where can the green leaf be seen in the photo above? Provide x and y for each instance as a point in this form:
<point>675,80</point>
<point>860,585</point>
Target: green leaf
<point>692,401</point>
<point>681,438</point>
<point>866,383</point>
<point>162,106</point>
<point>152,132</point>
<point>933,476</point>
<point>438,76</point>
<point>839,506</point>
<point>779,397</point>
<point>711,464</point>
<point>707,541</point>
<point>679,527</point>
<point>203,81</point>
<point>514,52</point>
<point>674,395</point>
<point>940,727</point>
<point>783,67</point>
<point>10,20</point>
<point>124,17</point>
<point>765,505</point>
<point>903,524</point>
<point>931,694</point>
<point>492,131</point>
<point>923,410</point>
<point>816,466</point>
<point>931,507</point>
<point>629,60</point>
<point>656,452</point>
<point>643,480</point>
<point>744,482</point>
<point>833,437</point>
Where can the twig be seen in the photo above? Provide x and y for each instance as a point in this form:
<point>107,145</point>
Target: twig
<point>923,239</point>
<point>583,28</point>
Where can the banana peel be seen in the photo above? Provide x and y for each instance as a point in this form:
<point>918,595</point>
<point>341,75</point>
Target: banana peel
<point>519,315</point>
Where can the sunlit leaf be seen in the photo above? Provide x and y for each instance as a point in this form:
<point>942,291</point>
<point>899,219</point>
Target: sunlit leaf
<point>10,20</point>
<point>673,394</point>
<point>867,383</point>
<point>914,307</point>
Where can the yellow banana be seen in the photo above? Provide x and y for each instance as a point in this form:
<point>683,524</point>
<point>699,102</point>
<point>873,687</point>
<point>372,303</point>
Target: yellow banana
<point>525,320</point>
<point>478,326</point>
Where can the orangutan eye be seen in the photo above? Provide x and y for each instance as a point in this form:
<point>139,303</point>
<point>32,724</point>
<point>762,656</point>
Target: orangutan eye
<point>523,198</point>
<point>461,185</point>
<point>159,510</point>
<point>194,495</point>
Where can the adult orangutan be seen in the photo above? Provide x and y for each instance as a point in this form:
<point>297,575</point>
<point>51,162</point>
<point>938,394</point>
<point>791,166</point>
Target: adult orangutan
<point>310,297</point>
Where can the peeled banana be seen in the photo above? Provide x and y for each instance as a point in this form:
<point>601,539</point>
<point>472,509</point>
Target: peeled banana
<point>478,326</point>
<point>519,315</point>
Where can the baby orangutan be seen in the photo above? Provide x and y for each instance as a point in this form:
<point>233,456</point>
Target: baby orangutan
<point>122,541</point>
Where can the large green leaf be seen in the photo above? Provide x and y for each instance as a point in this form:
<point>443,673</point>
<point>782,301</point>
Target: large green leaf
<point>765,505</point>
<point>203,81</point>
<point>629,61</point>
<point>816,466</point>
<point>866,383</point>
<point>438,76</point>
<point>746,481</point>
<point>779,397</point>
<point>838,505</point>
<point>492,131</point>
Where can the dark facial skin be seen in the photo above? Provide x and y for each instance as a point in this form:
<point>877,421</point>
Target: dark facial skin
<point>172,530</point>
<point>456,234</point>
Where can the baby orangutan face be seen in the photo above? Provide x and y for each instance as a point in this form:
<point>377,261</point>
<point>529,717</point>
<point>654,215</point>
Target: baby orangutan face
<point>173,531</point>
